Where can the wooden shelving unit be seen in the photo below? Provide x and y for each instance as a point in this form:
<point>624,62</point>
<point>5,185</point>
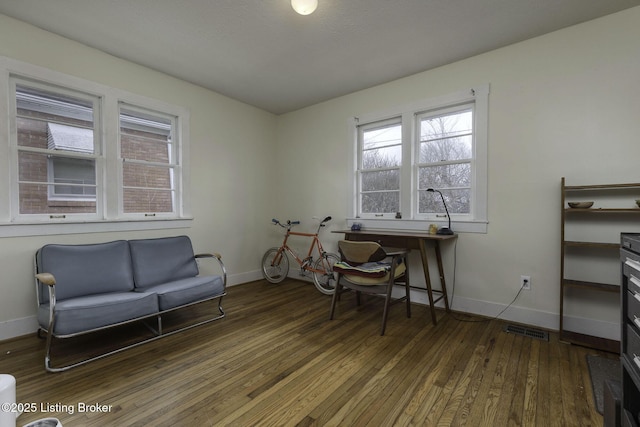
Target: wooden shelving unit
<point>607,214</point>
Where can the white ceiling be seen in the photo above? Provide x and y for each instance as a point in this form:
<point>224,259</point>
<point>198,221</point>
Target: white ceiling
<point>261,52</point>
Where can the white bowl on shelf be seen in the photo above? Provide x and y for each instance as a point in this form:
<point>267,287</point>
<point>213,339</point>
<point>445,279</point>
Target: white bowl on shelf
<point>580,205</point>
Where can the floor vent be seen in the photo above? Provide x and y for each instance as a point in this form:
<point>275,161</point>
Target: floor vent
<point>527,332</point>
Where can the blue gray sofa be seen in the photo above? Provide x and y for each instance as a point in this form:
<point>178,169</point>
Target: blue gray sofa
<point>86,288</point>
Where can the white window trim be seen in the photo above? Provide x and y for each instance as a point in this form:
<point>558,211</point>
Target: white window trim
<point>96,155</point>
<point>397,120</point>
<point>477,222</point>
<point>111,218</point>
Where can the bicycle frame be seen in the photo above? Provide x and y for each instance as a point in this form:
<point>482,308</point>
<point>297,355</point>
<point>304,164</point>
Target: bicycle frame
<point>305,263</point>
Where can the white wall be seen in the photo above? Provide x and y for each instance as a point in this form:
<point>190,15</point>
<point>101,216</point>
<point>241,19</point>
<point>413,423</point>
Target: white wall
<point>565,104</point>
<point>231,159</point>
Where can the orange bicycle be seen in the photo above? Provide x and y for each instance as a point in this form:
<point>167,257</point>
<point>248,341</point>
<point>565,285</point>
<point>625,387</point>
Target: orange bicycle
<point>275,263</point>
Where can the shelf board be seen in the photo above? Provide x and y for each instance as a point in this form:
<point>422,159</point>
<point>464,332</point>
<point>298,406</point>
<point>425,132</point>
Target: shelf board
<point>606,287</point>
<point>604,344</point>
<point>603,210</point>
<point>600,187</point>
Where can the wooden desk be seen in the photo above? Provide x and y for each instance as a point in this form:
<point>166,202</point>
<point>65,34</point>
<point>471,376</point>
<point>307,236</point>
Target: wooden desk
<point>411,240</point>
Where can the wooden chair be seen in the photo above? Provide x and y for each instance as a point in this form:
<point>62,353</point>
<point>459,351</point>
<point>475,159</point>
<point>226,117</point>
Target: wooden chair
<point>367,268</point>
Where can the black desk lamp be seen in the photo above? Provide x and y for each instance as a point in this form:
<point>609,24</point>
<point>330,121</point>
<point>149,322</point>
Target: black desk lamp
<point>443,230</point>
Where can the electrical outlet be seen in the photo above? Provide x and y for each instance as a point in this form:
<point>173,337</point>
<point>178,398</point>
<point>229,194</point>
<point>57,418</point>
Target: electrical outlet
<point>525,282</point>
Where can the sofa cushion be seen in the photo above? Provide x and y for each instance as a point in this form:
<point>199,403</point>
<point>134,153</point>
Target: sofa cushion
<point>185,291</point>
<point>85,313</point>
<point>163,260</point>
<point>82,270</point>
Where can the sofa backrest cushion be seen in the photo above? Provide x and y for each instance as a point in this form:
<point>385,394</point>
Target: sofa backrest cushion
<point>158,261</point>
<point>85,269</point>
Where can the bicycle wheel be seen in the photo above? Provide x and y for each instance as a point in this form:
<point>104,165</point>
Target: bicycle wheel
<point>326,282</point>
<point>275,265</point>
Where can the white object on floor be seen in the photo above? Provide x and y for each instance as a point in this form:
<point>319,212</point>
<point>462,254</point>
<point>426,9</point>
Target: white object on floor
<point>8,409</point>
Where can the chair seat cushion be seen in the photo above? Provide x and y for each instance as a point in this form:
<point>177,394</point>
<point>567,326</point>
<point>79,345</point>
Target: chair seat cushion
<point>360,278</point>
<point>94,311</point>
<point>369,269</point>
<point>184,291</point>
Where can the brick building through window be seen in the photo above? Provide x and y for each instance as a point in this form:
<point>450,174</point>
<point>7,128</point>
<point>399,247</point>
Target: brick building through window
<point>60,156</point>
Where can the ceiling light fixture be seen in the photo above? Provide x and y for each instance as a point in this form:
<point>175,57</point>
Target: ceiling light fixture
<point>304,7</point>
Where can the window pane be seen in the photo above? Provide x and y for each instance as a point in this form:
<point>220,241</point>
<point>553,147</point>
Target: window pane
<point>381,180</point>
<point>381,147</point>
<point>380,158</point>
<point>137,200</point>
<point>447,137</point>
<point>34,200</point>
<point>74,178</point>
<point>147,188</point>
<point>145,137</point>
<point>39,193</point>
<point>446,125</point>
<point>58,180</point>
<point>458,201</point>
<point>381,202</point>
<point>444,176</point>
<point>147,149</point>
<point>46,119</point>
<point>145,176</point>
<point>458,148</point>
<point>380,162</point>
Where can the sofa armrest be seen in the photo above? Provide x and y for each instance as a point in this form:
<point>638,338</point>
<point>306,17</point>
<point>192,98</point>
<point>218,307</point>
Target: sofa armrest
<point>49,280</point>
<point>212,255</point>
<point>218,258</point>
<point>46,278</point>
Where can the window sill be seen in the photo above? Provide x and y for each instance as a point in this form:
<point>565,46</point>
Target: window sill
<point>81,227</point>
<point>419,225</point>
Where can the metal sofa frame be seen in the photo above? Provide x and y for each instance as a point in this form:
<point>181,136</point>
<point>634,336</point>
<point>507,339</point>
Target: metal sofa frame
<point>49,280</point>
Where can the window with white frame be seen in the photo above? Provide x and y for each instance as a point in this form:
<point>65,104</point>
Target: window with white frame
<point>445,155</point>
<point>82,153</point>
<point>435,144</point>
<point>57,151</point>
<point>149,161</point>
<point>380,162</point>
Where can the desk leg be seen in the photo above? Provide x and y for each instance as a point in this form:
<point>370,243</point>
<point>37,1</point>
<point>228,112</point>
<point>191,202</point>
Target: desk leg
<point>441,272</point>
<point>427,278</point>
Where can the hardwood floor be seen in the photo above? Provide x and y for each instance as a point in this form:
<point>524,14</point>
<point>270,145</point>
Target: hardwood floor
<point>276,360</point>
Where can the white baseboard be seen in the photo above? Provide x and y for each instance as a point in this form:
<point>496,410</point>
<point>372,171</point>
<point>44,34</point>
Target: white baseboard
<point>550,321</point>
<point>29,325</point>
<point>18,327</point>
<point>526,316</point>
<point>240,278</point>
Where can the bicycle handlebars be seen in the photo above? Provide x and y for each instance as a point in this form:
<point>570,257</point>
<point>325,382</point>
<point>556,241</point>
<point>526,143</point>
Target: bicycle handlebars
<point>290,223</point>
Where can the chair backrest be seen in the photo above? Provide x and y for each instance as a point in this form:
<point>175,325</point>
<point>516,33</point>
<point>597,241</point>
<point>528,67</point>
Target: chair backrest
<point>356,253</point>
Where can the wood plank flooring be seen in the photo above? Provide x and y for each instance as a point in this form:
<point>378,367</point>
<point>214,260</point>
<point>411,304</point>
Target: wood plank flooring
<point>277,360</point>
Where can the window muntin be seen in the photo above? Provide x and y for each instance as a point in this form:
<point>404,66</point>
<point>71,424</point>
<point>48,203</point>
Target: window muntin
<point>445,153</point>
<point>56,151</point>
